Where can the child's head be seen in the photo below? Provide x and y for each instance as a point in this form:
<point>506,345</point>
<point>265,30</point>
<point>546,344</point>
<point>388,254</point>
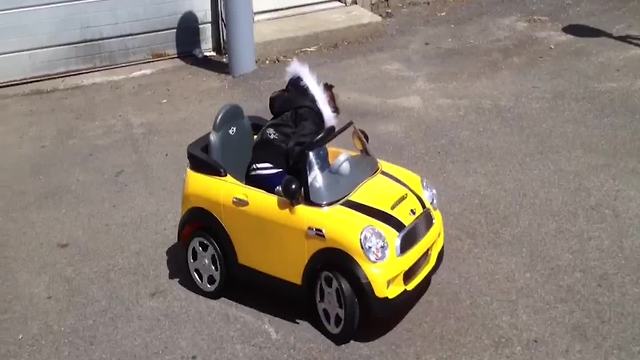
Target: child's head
<point>331,96</point>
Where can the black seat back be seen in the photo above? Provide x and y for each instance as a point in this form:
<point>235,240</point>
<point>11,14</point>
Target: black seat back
<point>231,141</point>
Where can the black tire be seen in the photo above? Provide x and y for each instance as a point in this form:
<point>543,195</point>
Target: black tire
<point>207,264</point>
<point>338,326</point>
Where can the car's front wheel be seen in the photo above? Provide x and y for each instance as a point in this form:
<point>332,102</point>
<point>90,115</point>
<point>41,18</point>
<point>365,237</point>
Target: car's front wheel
<point>207,264</point>
<point>336,306</point>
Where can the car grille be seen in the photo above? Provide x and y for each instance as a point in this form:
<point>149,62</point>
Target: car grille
<point>415,269</point>
<point>415,232</point>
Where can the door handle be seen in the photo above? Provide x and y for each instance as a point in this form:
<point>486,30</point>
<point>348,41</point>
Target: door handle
<point>315,232</point>
<point>240,202</point>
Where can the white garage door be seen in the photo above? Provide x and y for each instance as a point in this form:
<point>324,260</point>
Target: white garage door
<point>260,6</point>
<point>44,37</point>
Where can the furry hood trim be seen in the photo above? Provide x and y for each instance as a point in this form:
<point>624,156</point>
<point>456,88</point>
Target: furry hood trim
<point>310,81</point>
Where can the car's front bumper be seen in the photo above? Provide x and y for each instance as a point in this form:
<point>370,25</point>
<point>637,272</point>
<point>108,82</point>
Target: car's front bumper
<point>379,307</point>
<point>402,273</point>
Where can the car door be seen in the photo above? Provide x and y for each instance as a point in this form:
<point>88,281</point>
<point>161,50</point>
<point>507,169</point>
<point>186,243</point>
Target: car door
<point>268,233</point>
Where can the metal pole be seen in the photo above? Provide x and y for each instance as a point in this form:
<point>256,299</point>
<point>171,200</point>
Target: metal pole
<point>239,31</point>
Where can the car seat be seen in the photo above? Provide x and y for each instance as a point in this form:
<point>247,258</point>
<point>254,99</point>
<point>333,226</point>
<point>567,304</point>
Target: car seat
<point>231,141</point>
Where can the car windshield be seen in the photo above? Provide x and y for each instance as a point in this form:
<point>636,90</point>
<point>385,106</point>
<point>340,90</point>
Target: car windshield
<point>334,171</point>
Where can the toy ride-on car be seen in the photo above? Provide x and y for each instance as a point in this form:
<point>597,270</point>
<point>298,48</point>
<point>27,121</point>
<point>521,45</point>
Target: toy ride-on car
<point>355,231</point>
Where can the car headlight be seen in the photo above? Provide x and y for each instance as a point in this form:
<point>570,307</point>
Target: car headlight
<point>430,194</point>
<point>374,244</point>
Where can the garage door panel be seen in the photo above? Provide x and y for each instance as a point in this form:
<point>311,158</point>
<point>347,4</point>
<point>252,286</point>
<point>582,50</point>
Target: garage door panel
<point>270,5</point>
<point>76,22</point>
<point>21,4</point>
<point>92,54</point>
<point>44,37</point>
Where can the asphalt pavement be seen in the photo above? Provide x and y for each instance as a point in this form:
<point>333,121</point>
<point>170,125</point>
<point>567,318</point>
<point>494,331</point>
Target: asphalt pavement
<point>531,135</point>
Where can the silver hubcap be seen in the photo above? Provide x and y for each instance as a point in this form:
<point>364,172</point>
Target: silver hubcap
<point>330,302</point>
<point>204,264</point>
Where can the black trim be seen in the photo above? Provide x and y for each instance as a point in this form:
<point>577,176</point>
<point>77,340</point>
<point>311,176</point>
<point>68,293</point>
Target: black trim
<point>413,271</point>
<point>415,232</point>
<point>199,161</point>
<point>400,200</point>
<point>377,214</point>
<point>389,176</point>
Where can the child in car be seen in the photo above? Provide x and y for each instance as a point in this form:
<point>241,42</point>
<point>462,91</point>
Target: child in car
<point>301,111</point>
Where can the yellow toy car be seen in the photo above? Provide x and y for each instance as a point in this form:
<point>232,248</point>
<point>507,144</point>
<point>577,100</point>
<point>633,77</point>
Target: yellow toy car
<point>356,231</point>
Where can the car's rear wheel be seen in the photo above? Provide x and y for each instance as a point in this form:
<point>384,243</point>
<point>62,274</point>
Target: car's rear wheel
<point>336,306</point>
<point>207,265</point>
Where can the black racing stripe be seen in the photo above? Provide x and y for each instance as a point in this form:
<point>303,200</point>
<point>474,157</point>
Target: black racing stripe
<point>372,212</point>
<point>387,175</point>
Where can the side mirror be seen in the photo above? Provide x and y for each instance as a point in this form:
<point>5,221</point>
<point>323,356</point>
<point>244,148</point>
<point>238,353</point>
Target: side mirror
<point>360,139</point>
<point>291,189</point>
<point>364,135</point>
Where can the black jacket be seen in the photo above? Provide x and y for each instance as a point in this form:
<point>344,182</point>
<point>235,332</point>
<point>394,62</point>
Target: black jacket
<point>296,121</point>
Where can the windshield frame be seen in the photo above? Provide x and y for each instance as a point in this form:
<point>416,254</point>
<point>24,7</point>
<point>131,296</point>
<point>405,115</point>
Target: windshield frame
<point>324,142</point>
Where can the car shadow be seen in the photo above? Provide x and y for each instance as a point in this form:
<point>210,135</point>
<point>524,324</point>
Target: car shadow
<point>590,32</point>
<point>248,288</point>
<point>287,301</point>
<point>374,327</point>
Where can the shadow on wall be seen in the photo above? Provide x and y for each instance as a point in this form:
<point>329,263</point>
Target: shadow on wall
<point>586,31</point>
<point>189,45</point>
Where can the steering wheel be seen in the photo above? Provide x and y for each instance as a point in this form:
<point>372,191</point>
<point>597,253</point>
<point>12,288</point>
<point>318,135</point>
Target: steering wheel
<point>321,139</point>
<point>340,165</point>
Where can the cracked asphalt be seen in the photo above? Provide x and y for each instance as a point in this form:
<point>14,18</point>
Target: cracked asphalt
<point>531,136</point>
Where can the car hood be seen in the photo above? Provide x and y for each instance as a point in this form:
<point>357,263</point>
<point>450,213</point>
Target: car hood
<point>388,198</point>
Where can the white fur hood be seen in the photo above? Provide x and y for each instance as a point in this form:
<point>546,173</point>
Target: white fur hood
<point>310,80</point>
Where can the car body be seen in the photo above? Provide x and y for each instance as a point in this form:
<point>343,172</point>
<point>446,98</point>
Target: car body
<point>293,240</point>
